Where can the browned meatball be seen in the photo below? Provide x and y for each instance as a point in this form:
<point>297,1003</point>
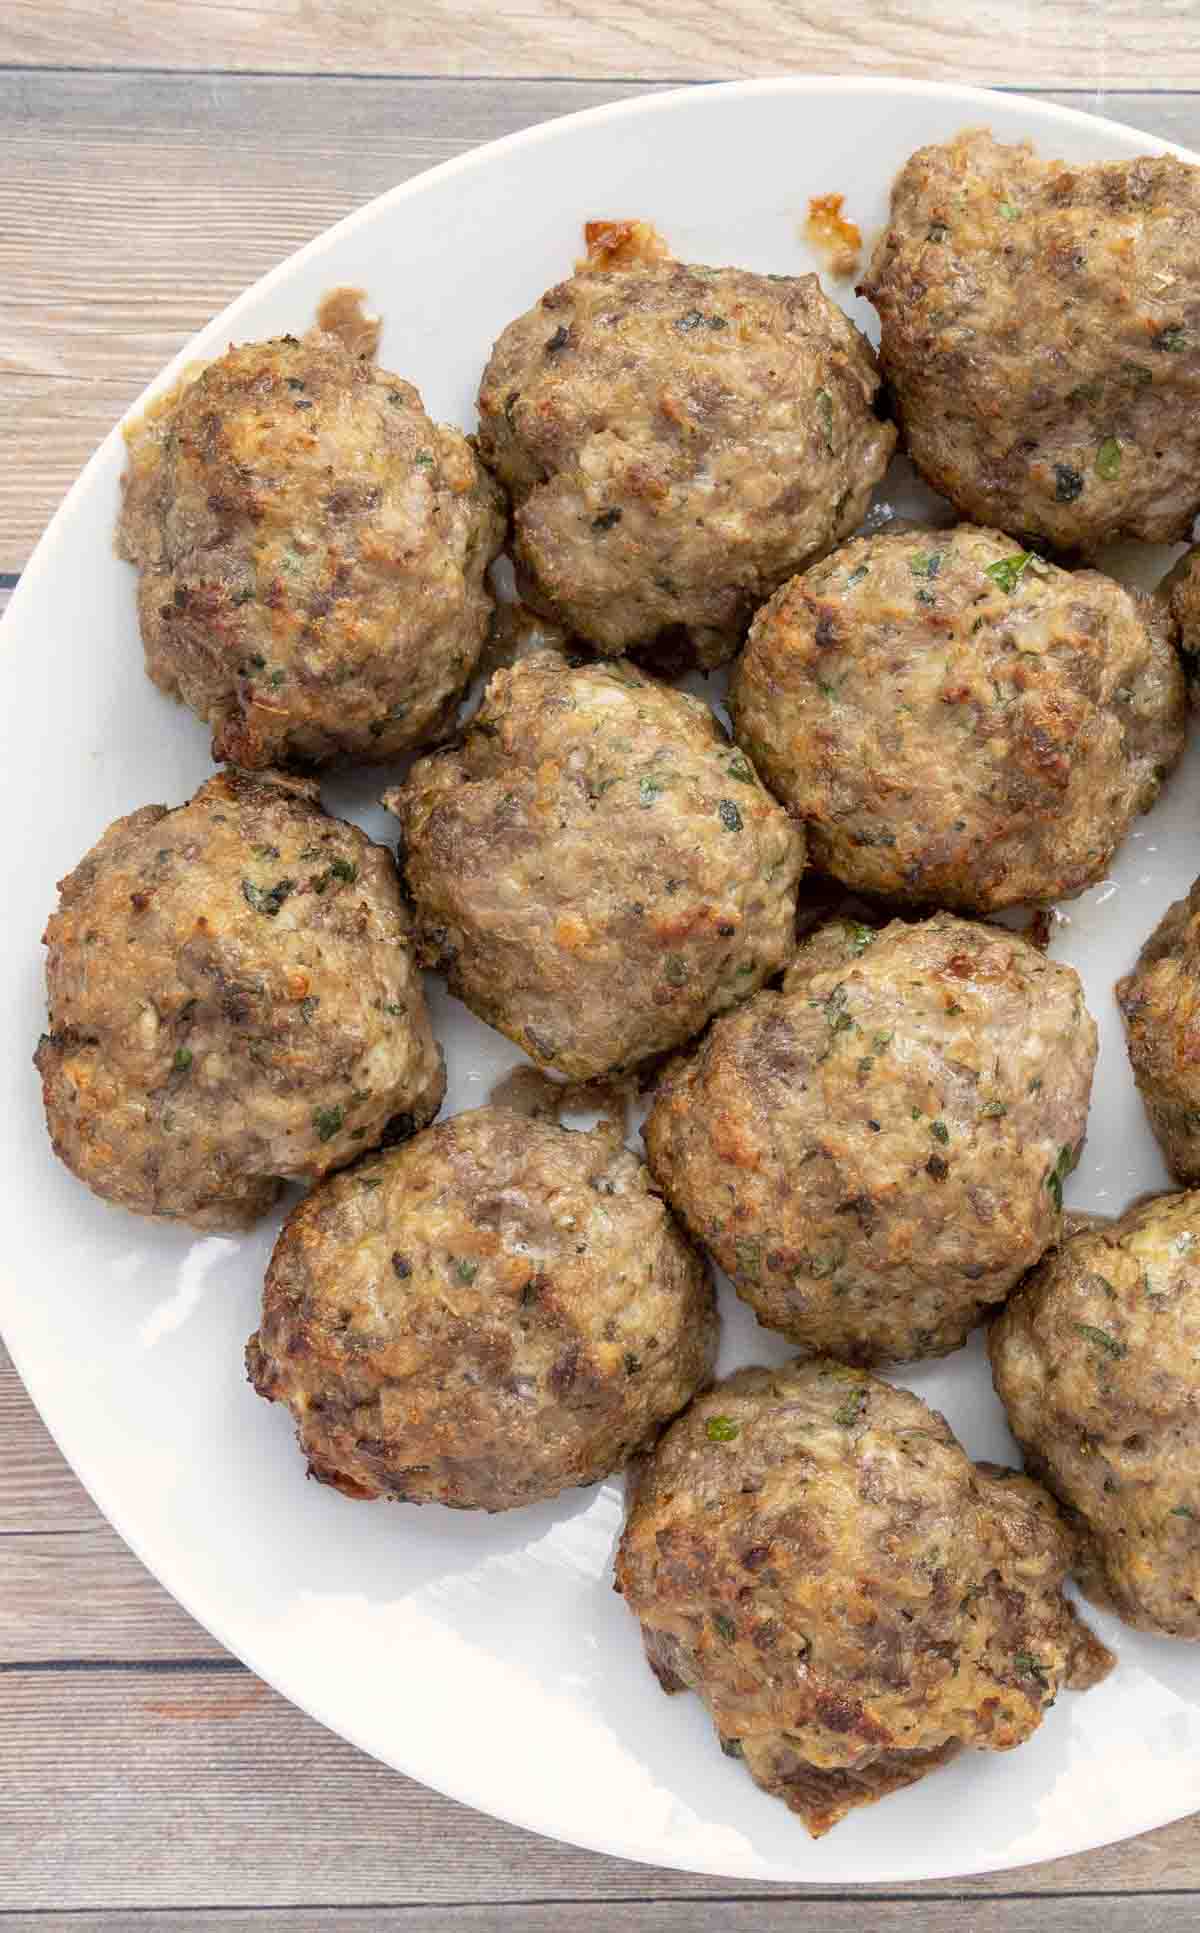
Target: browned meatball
<point>1160,1004</point>
<point>1181,590</point>
<point>497,1310</point>
<point>812,1553</point>
<point>876,1154</point>
<point>1097,1361</point>
<point>956,722</point>
<point>596,867</point>
<point>232,999</point>
<point>1041,331</point>
<point>678,440</point>
<point>312,552</point>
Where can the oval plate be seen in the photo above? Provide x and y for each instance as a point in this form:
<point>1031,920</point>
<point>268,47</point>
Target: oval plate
<point>489,1657</point>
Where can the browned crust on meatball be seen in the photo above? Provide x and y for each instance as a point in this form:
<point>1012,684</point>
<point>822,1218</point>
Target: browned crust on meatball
<point>1160,1005</point>
<point>232,999</point>
<point>595,866</point>
<point>312,553</point>
<point>957,722</point>
<point>811,1551</point>
<point>678,440</point>
<point>497,1310</point>
<point>875,1155</point>
<point>1041,333</point>
<point>1097,1362</point>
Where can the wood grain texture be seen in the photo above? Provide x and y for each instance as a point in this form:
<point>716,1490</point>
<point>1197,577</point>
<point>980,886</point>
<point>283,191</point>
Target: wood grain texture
<point>1089,43</point>
<point>133,207</point>
<point>229,1796</point>
<point>1156,1914</point>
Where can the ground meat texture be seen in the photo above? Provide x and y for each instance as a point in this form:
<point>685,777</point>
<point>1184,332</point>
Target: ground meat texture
<point>956,722</point>
<point>1160,1005</point>
<point>1180,589</point>
<point>876,1154</point>
<point>232,999</point>
<point>311,551</point>
<point>678,441</point>
<point>596,868</point>
<point>1041,333</point>
<point>812,1553</point>
<point>1097,1361</point>
<point>482,1317</point>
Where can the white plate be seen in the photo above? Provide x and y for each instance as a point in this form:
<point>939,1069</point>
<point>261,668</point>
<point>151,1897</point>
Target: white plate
<point>489,1657</point>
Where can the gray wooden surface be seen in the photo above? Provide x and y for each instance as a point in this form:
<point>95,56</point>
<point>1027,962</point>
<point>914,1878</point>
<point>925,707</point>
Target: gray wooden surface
<point>146,1779</point>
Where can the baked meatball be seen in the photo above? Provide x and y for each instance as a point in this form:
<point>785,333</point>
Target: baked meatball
<point>1041,333</point>
<point>596,867</point>
<point>956,722</point>
<point>232,999</point>
<point>1097,1361</point>
<point>312,552</point>
<point>482,1317</point>
<point>876,1153</point>
<point>1180,590</point>
<point>812,1553</point>
<point>1160,1005</point>
<point>677,441</point>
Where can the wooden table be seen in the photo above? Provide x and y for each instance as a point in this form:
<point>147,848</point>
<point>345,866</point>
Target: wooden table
<point>157,157</point>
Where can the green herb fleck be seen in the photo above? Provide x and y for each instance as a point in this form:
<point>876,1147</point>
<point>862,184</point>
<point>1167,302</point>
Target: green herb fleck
<point>1180,1510</point>
<point>1102,1339</point>
<point>675,970</point>
<point>856,576</point>
<point>1009,210</point>
<point>183,1059</point>
<point>725,1626</point>
<point>1008,571</point>
<point>939,1131</point>
<point>265,852</point>
<point>747,1253</point>
<point>328,1121</point>
<point>848,1412</point>
<point>649,791</point>
<point>729,816</point>
<point>1035,1085</point>
<point>1173,339</point>
<point>466,1271</point>
<point>344,869</point>
<point>423,460</point>
<point>266,900</point>
<point>739,768</point>
<point>394,1008</point>
<point>1108,459</point>
<point>860,938</point>
<point>722,1429</point>
<point>993,1110</point>
<point>1058,1173</point>
<point>880,1041</point>
<point>925,563</point>
<point>1031,1667</point>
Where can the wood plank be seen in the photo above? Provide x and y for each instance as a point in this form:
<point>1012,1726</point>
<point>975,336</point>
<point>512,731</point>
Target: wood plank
<point>1064,42</point>
<point>83,1594</point>
<point>1156,1914</point>
<point>134,206</point>
<point>179,1789</point>
<point>38,1492</point>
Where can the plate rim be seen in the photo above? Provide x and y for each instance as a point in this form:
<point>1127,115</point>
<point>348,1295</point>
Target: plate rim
<point>667,100</point>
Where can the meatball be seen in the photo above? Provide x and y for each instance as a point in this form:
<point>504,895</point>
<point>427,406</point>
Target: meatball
<point>482,1317</point>
<point>957,722</point>
<point>678,441</point>
<point>596,867</point>
<point>876,1153</point>
<point>812,1552</point>
<point>1097,1361</point>
<point>1180,590</point>
<point>1041,333</point>
<point>1160,1005</point>
<point>312,552</point>
<point>232,999</point>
